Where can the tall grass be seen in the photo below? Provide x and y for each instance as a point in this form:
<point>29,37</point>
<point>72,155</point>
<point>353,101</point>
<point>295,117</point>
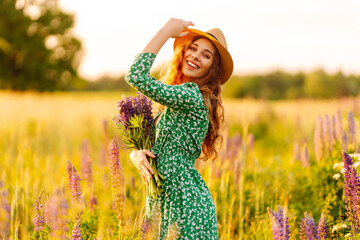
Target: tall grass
<point>256,169</point>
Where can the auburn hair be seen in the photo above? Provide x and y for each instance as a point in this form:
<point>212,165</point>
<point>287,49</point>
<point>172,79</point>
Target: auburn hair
<point>210,87</point>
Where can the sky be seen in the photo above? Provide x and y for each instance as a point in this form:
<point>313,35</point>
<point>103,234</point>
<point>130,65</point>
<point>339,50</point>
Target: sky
<point>262,35</point>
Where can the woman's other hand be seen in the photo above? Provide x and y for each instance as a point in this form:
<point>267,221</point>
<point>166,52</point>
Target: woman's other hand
<point>172,28</point>
<point>175,27</point>
<point>138,158</point>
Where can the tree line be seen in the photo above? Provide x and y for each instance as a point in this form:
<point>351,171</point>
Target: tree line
<point>274,85</point>
<point>282,85</point>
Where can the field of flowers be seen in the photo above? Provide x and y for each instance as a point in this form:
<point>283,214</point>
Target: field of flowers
<point>283,170</point>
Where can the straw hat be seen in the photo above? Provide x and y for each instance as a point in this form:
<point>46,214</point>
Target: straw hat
<point>216,36</point>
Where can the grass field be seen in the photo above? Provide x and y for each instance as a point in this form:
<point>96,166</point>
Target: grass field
<point>258,166</point>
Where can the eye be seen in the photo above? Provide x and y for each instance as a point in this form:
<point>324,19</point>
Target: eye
<point>192,48</point>
<point>207,56</point>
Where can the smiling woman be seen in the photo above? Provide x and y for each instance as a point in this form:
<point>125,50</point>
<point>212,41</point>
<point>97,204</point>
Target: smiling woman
<point>188,129</point>
<point>198,59</point>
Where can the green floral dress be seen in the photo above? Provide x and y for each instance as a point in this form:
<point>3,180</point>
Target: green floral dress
<point>185,207</point>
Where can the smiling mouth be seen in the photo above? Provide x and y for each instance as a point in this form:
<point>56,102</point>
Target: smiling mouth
<point>192,65</point>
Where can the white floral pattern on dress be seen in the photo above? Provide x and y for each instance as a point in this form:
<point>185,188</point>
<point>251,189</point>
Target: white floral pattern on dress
<point>185,206</point>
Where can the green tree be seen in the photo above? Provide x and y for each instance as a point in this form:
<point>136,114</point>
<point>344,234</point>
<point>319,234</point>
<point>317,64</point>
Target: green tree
<point>317,84</point>
<point>37,48</point>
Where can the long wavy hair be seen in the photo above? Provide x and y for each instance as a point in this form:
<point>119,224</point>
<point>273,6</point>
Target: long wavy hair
<point>210,87</point>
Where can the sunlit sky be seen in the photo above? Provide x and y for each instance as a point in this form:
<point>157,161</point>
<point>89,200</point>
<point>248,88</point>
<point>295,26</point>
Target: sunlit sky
<point>262,35</point>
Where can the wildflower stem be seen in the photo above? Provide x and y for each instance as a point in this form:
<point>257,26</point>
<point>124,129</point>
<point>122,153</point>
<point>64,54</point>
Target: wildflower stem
<point>120,231</point>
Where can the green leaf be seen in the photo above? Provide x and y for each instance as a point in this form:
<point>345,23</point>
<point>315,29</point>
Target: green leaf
<point>136,121</point>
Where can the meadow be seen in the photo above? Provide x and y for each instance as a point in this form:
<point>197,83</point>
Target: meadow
<point>268,158</point>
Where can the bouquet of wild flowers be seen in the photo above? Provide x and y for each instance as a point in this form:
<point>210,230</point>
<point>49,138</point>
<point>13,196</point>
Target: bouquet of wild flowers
<point>136,123</point>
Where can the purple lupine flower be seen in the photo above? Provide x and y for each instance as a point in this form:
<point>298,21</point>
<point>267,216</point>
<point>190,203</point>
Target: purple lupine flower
<point>237,170</point>
<point>114,164</point>
<point>351,130</point>
<point>52,216</point>
<point>322,228</point>
<point>38,221</point>
<point>117,178</point>
<point>233,145</point>
<point>63,207</point>
<point>302,230</point>
<point>305,157</point>
<point>340,133</point>
<point>280,225</point>
<point>347,185</point>
<point>138,105</point>
<point>47,213</point>
<point>296,151</point>
<point>144,108</point>
<point>236,139</point>
<point>126,111</point>
<point>76,232</point>
<point>145,228</point>
<point>344,141</point>
<point>84,149</point>
<point>92,202</point>
<point>5,209</point>
<point>251,142</point>
<point>333,130</point>
<point>58,208</point>
<point>87,173</point>
<point>339,125</point>
<point>102,156</point>
<point>74,182</point>
<point>327,134</point>
<point>39,218</point>
<point>105,129</point>
<point>311,227</point>
<point>351,191</point>
<point>75,190</point>
<point>319,139</point>
<point>354,178</point>
<point>86,163</point>
<point>308,228</point>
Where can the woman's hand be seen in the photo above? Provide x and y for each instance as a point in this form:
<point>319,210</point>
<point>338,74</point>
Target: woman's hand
<point>172,28</point>
<point>175,27</point>
<point>138,158</point>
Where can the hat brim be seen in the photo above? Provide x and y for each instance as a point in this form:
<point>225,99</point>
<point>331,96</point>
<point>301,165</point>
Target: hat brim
<point>226,59</point>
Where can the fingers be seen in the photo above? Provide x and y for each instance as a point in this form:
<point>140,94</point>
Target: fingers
<point>147,166</point>
<point>174,27</point>
<point>138,157</point>
<point>183,34</point>
<point>189,23</point>
<point>178,21</point>
<point>143,177</point>
<point>150,154</point>
<point>186,24</point>
<point>145,172</point>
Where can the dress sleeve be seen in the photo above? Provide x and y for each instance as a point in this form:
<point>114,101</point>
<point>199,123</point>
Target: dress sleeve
<point>184,96</point>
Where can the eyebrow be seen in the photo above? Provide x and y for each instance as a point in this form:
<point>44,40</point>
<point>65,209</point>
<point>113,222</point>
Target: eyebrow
<point>205,48</point>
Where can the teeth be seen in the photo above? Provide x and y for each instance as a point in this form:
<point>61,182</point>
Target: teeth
<point>193,65</point>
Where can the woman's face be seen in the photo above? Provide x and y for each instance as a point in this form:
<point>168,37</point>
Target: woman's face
<point>198,59</point>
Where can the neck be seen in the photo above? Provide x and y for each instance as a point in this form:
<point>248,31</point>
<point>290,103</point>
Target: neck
<point>185,79</point>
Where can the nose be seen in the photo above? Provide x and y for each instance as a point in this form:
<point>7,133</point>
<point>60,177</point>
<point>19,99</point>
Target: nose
<point>195,56</point>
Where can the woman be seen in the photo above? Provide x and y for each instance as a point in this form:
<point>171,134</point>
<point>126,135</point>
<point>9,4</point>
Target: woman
<point>189,125</point>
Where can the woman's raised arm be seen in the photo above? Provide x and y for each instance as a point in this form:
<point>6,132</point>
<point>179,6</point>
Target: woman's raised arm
<point>172,29</point>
